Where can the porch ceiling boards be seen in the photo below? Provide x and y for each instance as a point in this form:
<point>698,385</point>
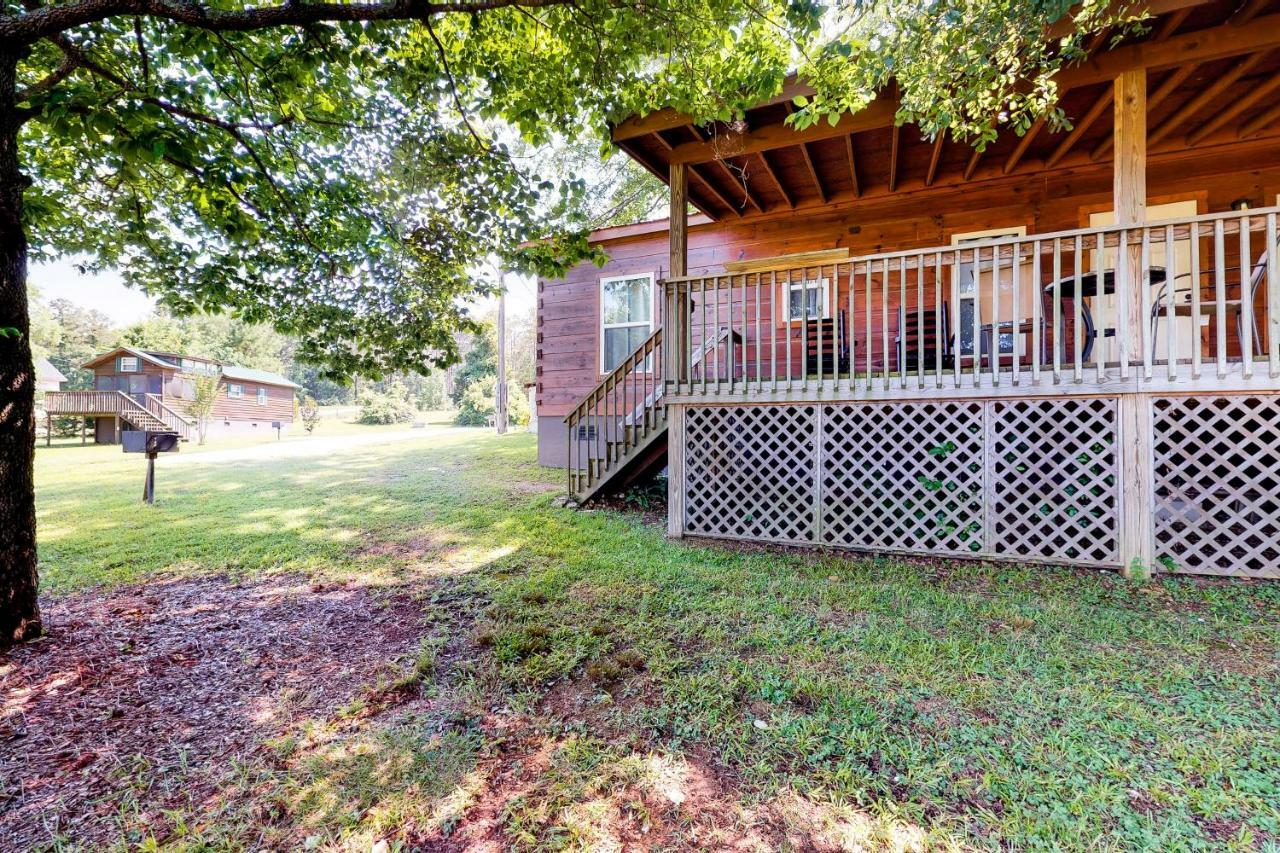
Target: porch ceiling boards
<point>1212,80</point>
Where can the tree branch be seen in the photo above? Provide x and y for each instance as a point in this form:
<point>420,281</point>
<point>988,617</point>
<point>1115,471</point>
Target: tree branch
<point>453,86</point>
<point>48,21</point>
<point>62,72</point>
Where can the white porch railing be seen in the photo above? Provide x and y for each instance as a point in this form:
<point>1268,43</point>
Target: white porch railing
<point>1191,303</point>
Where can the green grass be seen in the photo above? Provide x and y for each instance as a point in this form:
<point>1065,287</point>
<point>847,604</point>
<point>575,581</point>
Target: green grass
<point>868,701</point>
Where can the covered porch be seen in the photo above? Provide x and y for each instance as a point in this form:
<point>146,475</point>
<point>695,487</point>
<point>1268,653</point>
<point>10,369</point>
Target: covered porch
<point>904,345</point>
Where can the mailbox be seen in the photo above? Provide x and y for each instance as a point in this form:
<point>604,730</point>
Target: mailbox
<point>146,441</point>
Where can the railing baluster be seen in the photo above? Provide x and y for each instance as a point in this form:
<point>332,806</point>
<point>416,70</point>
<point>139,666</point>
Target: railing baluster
<point>871,347</point>
<point>1220,296</point>
<point>1058,344</point>
<point>1246,300</point>
<point>745,375</point>
<point>1195,300</point>
<point>822,316</point>
<point>1077,313</point>
<point>884,322</point>
<point>1100,360</point>
<point>938,342</point>
<point>1144,289</point>
<point>786,315</point>
<point>1016,278</point>
<point>1170,303</point>
<point>773,329</point>
<point>804,333</point>
<point>715,329</point>
<point>902,322</point>
<point>977,318</point>
<point>956,349</point>
<point>1037,310</point>
<point>849,330</point>
<point>759,342</point>
<point>920,321</point>
<point>1273,295</point>
<point>995,315</point>
<point>1123,302</point>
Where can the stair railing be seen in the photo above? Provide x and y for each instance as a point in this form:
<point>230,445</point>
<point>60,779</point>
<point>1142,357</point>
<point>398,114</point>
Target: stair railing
<point>615,417</point>
<point>172,418</point>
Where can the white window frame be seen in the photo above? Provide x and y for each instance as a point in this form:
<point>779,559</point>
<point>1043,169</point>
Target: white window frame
<point>262,396</point>
<point>807,284</point>
<point>235,390</point>
<point>653,309</point>
<point>964,238</point>
<point>132,361</point>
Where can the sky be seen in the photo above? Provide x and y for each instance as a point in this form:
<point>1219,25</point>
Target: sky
<point>125,305</point>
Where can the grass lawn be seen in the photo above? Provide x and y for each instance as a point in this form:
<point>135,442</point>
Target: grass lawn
<point>553,679</point>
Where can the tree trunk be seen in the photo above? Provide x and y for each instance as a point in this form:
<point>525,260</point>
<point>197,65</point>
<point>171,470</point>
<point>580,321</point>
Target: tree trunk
<point>19,609</point>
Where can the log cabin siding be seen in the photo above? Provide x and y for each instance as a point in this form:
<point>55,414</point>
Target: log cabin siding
<point>568,324</point>
<point>278,407</point>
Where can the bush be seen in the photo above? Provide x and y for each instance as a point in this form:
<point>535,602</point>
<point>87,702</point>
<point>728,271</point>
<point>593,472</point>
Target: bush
<point>389,407</point>
<point>476,407</point>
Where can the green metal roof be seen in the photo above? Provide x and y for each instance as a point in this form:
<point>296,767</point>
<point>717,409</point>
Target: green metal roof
<point>248,374</point>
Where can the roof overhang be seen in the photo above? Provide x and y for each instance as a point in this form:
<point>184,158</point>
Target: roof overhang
<point>1211,81</point>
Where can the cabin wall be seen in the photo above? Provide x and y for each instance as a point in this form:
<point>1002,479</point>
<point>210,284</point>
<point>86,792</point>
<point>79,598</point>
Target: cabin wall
<point>569,309</point>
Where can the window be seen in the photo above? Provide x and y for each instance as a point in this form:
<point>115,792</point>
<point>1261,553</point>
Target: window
<point>626,313</point>
<point>809,299</point>
<point>127,364</point>
<point>234,390</point>
<point>262,396</point>
<point>967,286</point>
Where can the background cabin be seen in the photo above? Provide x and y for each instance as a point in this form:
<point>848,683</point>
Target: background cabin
<point>154,390</point>
<point>869,339</point>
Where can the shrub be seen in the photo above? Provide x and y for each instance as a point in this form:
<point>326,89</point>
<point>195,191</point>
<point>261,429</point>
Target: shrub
<point>477,405</point>
<point>389,407</point>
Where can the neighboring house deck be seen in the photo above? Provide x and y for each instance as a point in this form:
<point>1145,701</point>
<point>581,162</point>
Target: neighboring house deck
<point>873,341</point>
<point>154,390</point>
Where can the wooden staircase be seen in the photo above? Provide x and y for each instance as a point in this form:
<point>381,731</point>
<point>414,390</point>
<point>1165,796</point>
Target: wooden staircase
<point>617,432</point>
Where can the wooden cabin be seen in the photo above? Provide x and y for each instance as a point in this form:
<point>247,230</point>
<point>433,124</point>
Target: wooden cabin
<point>136,389</point>
<point>1062,349</point>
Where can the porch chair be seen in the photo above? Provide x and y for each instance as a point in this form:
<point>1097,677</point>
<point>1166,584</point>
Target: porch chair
<point>835,347</point>
<point>1209,307</point>
<point>919,342</point>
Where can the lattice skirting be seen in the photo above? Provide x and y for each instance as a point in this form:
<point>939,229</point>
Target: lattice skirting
<point>1024,479</point>
<point>1217,485</point>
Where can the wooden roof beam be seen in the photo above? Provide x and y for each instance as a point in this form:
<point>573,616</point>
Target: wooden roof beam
<point>853,164</point>
<point>813,172</point>
<point>714,190</point>
<point>644,161</point>
<point>972,165</point>
<point>1023,144</point>
<point>894,145</point>
<point>934,158</point>
<point>1235,109</point>
<point>1081,128</point>
<point>773,176</point>
<point>1206,96</point>
<point>1218,42</point>
<point>1262,120</point>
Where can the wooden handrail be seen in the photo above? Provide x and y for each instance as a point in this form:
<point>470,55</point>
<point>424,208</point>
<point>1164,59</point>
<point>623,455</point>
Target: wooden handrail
<point>623,368</point>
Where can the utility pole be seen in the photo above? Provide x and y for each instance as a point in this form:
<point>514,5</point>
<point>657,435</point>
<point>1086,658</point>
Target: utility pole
<point>500,404</point>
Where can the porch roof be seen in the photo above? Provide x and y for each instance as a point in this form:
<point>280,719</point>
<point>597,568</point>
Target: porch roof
<point>1212,82</point>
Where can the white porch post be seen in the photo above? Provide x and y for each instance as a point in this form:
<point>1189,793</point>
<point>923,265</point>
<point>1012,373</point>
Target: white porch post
<point>1129,190</point>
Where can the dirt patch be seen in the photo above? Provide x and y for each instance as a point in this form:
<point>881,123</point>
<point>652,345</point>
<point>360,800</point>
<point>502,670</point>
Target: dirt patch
<point>414,549</point>
<point>186,674</point>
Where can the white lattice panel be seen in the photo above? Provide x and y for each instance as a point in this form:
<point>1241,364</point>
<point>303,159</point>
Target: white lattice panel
<point>750,472</point>
<point>1053,477</point>
<point>1217,485</point>
<point>904,476</point>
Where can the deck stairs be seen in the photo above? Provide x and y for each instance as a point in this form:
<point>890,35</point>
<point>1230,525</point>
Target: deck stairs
<point>153,414</point>
<point>618,431</point>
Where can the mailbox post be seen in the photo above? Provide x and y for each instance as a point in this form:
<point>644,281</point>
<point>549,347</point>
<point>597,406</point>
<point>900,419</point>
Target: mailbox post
<point>152,444</point>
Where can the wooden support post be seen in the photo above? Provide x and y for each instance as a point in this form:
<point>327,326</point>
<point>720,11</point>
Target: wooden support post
<point>48,430</point>
<point>115,430</point>
<point>676,322</point>
<point>1134,439</point>
<point>675,472</point>
<point>83,428</point>
<point>500,404</point>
